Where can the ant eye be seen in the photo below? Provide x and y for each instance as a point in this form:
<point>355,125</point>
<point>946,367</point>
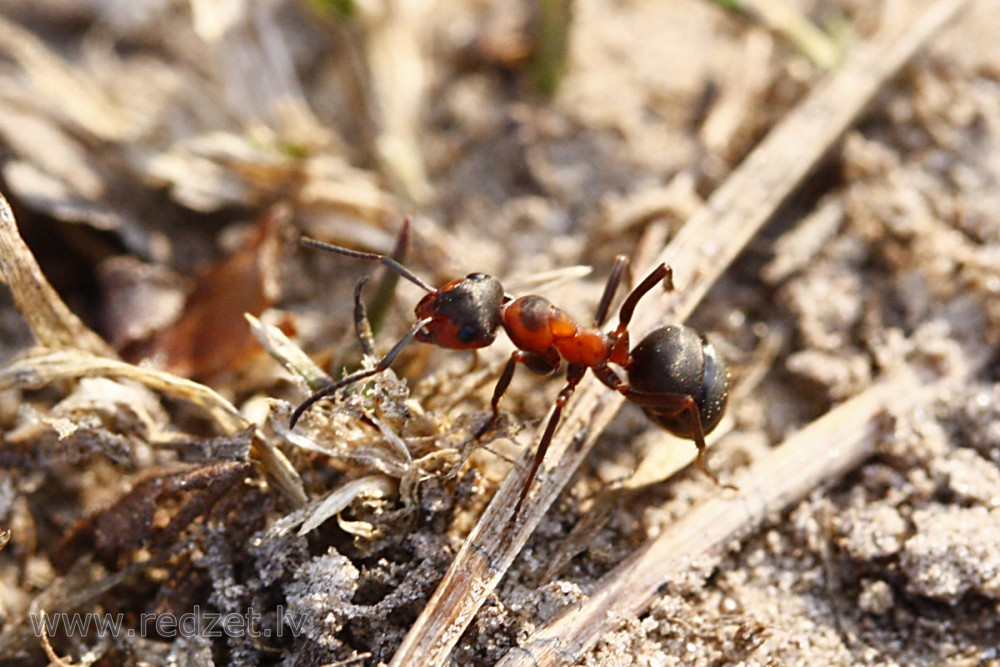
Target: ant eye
<point>476,276</point>
<point>467,334</point>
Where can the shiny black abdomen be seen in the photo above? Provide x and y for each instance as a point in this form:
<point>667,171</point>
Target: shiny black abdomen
<point>678,360</point>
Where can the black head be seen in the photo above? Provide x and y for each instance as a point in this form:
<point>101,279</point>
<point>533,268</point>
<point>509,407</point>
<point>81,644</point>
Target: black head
<point>465,313</point>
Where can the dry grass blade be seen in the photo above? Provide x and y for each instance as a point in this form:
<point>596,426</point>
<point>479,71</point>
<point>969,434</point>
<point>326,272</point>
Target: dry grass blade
<point>783,18</point>
<point>43,367</point>
<point>46,366</point>
<point>57,80</point>
<point>372,486</point>
<point>52,322</point>
<point>397,67</point>
<point>819,453</point>
<point>699,254</point>
<point>287,353</point>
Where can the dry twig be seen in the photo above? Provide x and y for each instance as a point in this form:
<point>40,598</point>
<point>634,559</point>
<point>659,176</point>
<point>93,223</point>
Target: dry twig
<point>51,321</point>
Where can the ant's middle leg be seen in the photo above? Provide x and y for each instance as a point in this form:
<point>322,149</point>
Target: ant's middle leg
<point>574,374</point>
<point>614,279</point>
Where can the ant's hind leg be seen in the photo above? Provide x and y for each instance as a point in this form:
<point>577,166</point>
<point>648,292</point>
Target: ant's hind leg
<point>699,440</point>
<point>672,406</point>
<point>661,273</point>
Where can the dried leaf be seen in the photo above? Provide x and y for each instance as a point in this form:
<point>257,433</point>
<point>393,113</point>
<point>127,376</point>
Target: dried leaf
<point>52,151</point>
<point>58,81</point>
<point>154,512</point>
<point>139,299</point>
<point>211,336</point>
<point>221,170</point>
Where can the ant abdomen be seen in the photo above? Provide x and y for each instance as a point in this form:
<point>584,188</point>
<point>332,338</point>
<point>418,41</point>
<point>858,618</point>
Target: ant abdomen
<point>679,360</point>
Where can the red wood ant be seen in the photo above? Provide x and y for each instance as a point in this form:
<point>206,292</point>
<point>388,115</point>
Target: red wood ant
<point>674,374</point>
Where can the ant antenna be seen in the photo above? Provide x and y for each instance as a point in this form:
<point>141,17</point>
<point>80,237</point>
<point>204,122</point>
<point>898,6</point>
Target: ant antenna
<point>382,365</point>
<point>385,261</point>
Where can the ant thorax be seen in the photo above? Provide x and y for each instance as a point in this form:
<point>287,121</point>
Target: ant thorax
<point>534,324</point>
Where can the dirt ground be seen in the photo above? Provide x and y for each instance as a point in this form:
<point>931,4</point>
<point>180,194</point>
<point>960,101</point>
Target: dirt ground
<point>162,159</point>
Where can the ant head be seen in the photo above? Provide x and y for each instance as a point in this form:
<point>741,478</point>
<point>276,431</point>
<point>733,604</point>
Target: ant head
<point>465,313</point>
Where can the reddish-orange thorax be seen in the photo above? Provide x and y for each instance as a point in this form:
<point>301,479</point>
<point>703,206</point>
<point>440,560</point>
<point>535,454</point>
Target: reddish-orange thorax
<point>535,325</point>
<point>589,347</point>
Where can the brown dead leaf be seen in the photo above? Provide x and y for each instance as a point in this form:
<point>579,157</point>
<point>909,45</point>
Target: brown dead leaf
<point>211,335</point>
<point>139,299</point>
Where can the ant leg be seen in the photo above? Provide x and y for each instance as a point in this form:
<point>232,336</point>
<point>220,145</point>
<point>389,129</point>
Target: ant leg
<point>678,403</point>
<point>662,272</point>
<point>672,404</point>
<point>608,377</point>
<point>382,365</point>
<point>502,383</point>
<point>543,365</point>
<point>685,403</point>
<point>574,374</point>
<point>614,279</point>
<point>620,337</point>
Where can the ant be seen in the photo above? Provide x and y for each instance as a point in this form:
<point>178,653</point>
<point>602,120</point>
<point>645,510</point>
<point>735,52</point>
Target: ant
<point>674,374</point>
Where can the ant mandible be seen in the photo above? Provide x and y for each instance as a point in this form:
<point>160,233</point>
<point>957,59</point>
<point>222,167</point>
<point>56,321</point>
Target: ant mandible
<point>674,374</point>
